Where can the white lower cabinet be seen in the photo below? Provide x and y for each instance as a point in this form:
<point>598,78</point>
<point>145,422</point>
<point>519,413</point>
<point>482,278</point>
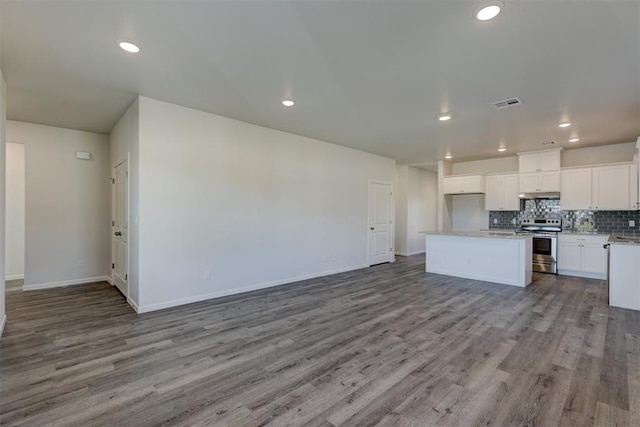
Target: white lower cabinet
<point>582,255</point>
<point>624,280</point>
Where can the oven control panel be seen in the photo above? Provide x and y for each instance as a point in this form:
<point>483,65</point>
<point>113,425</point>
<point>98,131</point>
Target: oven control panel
<point>542,221</point>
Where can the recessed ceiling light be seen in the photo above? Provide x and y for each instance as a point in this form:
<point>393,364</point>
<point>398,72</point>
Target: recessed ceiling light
<point>564,125</point>
<point>444,117</point>
<point>488,10</point>
<point>288,103</point>
<point>448,156</point>
<point>128,47</point>
<point>501,149</point>
<point>574,140</point>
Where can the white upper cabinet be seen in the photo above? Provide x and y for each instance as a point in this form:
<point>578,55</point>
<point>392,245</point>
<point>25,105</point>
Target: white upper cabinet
<point>539,171</point>
<point>464,184</point>
<point>539,182</point>
<point>598,188</point>
<point>610,188</point>
<point>634,200</point>
<point>575,189</point>
<point>539,161</point>
<point>502,193</point>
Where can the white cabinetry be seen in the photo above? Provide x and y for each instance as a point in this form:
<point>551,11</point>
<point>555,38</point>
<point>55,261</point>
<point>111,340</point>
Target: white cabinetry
<point>539,161</point>
<point>575,189</point>
<point>610,188</point>
<point>464,184</point>
<point>539,171</point>
<point>624,279</point>
<point>597,188</point>
<point>502,193</point>
<point>582,255</point>
<point>634,200</point>
<point>540,182</point>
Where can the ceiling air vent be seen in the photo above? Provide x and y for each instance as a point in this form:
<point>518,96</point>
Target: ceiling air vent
<point>549,143</point>
<point>506,103</point>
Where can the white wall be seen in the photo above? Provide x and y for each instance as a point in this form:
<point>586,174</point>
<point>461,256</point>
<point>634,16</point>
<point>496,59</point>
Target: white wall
<point>570,157</point>
<point>422,207</point>
<point>254,206</point>
<point>3,115</point>
<point>67,205</point>
<point>595,155</point>
<point>499,164</point>
<point>15,201</point>
<point>123,142</point>
<point>416,208</point>
<point>445,205</point>
<point>402,183</point>
<point>468,212</point>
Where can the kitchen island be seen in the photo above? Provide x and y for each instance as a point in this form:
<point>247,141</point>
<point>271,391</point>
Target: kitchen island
<point>624,271</point>
<point>497,257</point>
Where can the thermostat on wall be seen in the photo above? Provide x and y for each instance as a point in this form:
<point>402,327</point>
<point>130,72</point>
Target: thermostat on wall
<point>83,155</point>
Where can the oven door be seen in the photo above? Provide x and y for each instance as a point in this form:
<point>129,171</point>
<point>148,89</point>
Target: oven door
<point>545,252</point>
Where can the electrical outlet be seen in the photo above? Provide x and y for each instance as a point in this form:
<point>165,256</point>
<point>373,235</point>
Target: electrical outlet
<point>632,223</point>
<point>80,263</point>
<point>206,275</point>
<point>495,220</point>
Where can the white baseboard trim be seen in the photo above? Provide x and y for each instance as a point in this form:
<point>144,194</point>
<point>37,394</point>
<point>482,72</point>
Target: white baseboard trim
<point>110,280</point>
<point>410,253</point>
<point>64,283</point>
<point>173,303</point>
<point>582,274</point>
<point>2,324</point>
<point>14,277</point>
<point>133,305</point>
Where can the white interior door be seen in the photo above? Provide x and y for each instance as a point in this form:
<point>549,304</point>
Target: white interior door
<point>380,226</point>
<point>120,228</point>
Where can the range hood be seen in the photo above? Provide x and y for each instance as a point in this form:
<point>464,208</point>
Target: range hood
<point>541,195</point>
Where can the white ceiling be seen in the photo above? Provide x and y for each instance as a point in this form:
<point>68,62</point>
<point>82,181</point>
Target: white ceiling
<point>371,75</point>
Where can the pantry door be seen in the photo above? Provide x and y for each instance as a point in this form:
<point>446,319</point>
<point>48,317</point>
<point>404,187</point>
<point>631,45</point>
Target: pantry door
<point>380,223</point>
<point>120,228</point>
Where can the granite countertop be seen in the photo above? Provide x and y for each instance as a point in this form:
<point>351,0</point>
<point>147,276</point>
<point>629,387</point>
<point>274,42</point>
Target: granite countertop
<point>623,239</point>
<point>584,233</point>
<point>507,234</point>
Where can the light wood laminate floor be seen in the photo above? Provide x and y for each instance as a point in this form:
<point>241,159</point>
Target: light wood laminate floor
<point>389,345</point>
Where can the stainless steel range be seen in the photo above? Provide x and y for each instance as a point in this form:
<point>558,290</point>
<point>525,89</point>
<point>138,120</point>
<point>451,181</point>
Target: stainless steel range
<point>545,242</point>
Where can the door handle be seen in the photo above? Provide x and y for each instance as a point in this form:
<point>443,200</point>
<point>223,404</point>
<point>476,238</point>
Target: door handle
<point>372,228</point>
<point>117,233</point>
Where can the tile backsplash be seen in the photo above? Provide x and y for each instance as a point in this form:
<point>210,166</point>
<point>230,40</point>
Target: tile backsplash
<point>601,221</point>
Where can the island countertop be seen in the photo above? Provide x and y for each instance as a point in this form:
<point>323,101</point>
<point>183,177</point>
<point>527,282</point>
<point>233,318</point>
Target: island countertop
<point>498,257</point>
<point>493,234</point>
